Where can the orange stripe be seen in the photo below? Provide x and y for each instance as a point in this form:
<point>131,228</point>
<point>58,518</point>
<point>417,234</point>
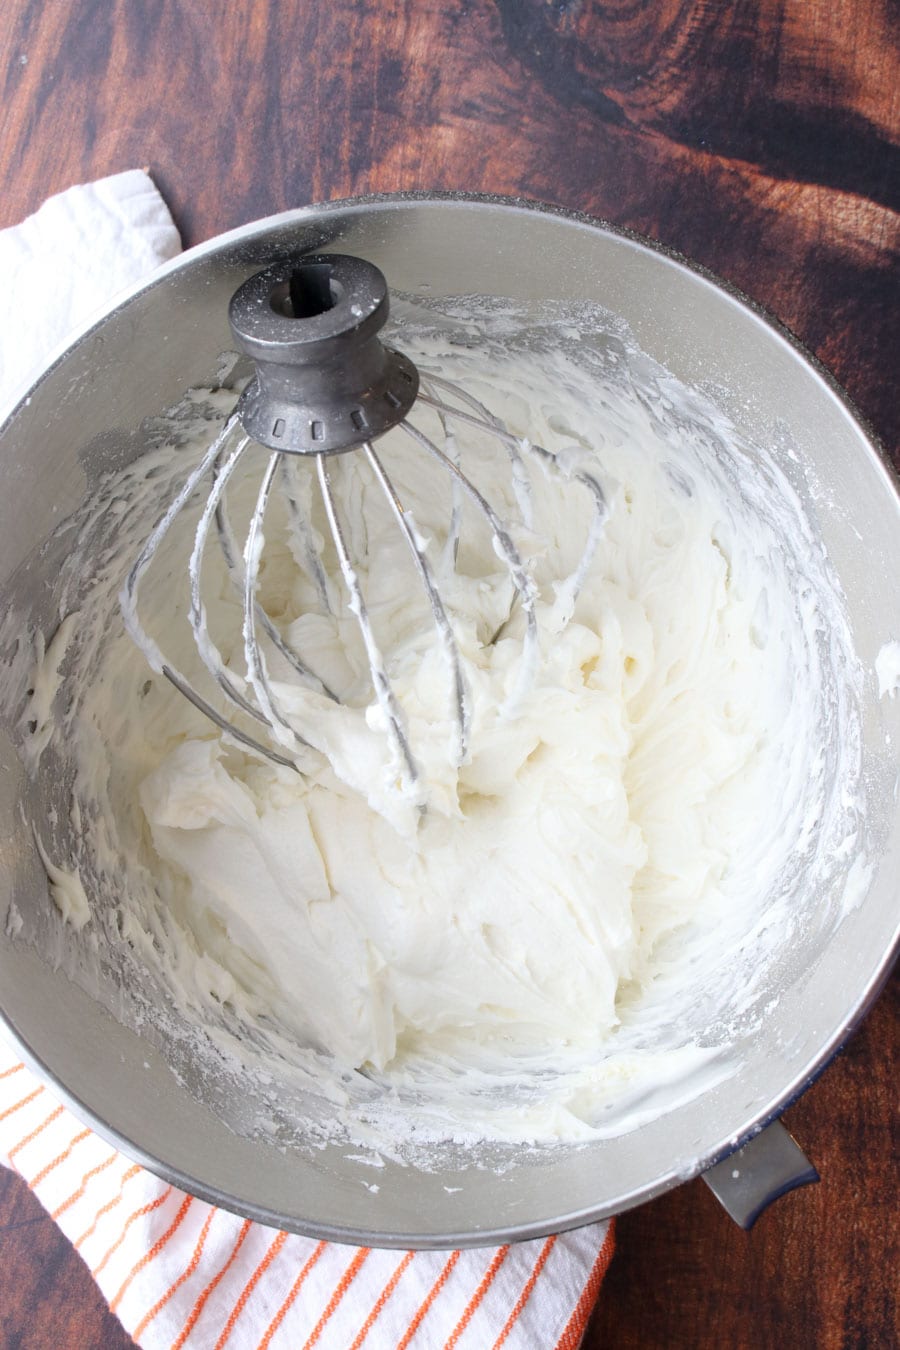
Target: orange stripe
<point>185,1275</point>
<point>132,1218</point>
<point>381,1301</point>
<point>575,1327</point>
<point>76,1195</point>
<point>346,1280</point>
<point>110,1204</point>
<point>274,1248</point>
<point>153,1252</point>
<point>45,1171</point>
<point>24,1102</point>
<point>527,1289</point>
<point>201,1301</point>
<point>429,1299</point>
<point>16,1068</point>
<point>38,1129</point>
<point>295,1289</point>
<point>475,1301</point>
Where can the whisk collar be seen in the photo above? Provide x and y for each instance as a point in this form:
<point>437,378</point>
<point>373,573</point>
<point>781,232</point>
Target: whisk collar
<point>324,382</point>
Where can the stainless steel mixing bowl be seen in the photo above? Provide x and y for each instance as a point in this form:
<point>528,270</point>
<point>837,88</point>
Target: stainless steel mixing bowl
<point>95,406</point>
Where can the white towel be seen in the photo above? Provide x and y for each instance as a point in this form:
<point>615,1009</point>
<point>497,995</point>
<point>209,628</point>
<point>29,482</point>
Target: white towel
<point>65,263</point>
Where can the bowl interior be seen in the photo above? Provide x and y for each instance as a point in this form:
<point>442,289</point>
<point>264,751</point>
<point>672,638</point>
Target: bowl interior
<point>99,406</point>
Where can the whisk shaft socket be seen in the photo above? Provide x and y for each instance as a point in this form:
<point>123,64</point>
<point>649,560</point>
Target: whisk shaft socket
<point>324,381</point>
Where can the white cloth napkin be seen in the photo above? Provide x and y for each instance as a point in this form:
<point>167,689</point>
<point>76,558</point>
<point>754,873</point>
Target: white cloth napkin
<point>177,1271</point>
<point>69,260</point>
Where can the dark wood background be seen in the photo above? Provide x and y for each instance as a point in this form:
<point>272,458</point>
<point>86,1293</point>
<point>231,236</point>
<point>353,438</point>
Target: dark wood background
<point>759,137</point>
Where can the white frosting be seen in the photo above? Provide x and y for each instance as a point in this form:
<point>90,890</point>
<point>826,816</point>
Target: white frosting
<point>550,863</point>
<point>46,681</point>
<point>66,890</point>
<point>572,930</point>
<point>887,669</point>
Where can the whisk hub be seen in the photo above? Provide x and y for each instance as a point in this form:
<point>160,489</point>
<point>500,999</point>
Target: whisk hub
<point>324,381</point>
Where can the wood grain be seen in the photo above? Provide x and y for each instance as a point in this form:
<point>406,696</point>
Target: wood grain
<point>819,1269</point>
<point>47,1296</point>
<point>758,137</point>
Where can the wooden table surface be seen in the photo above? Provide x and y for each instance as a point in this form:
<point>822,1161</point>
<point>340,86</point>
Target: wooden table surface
<point>759,137</point>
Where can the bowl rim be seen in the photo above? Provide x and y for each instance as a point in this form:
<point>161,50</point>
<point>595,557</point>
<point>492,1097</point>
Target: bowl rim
<point>866,996</point>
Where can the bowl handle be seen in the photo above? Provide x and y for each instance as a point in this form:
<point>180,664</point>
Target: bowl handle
<point>767,1166</point>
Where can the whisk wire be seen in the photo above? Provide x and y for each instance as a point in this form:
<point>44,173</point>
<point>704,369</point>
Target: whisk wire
<point>506,550</point>
<point>482,418</point>
<point>303,533</point>
<point>441,621</point>
<point>233,558</point>
<point>129,596</point>
<point>206,647</point>
<point>257,669</point>
<point>486,420</point>
<point>454,529</point>
<point>383,689</point>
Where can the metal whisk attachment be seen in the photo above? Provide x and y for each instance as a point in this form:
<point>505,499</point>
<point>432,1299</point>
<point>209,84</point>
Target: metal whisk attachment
<point>325,385</point>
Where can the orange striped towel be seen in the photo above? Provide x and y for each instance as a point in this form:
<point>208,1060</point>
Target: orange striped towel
<point>178,1272</point>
